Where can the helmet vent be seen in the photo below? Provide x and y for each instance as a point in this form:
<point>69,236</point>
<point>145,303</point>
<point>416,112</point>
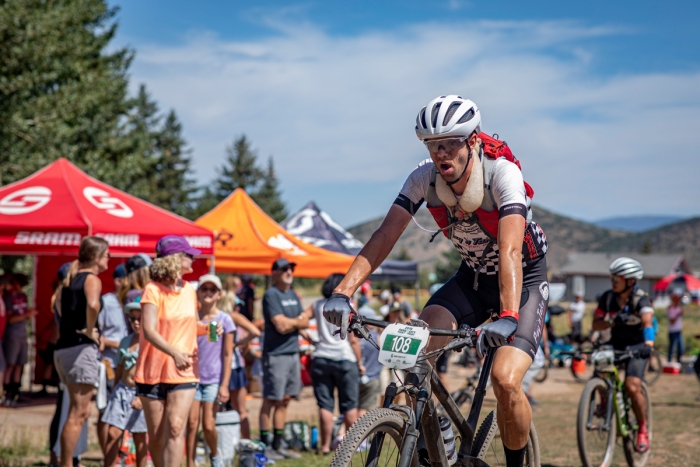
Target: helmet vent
<point>436,109</point>
<point>467,116</point>
<point>422,118</point>
<point>450,112</point>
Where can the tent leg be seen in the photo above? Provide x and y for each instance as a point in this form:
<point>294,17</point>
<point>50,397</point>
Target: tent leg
<point>212,266</point>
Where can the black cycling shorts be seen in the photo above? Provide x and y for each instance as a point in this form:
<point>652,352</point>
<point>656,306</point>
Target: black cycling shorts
<point>472,307</point>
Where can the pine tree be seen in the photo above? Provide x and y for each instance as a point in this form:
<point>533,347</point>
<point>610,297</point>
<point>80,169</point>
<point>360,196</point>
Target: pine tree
<point>172,186</point>
<point>240,169</point>
<point>269,197</point>
<point>62,92</point>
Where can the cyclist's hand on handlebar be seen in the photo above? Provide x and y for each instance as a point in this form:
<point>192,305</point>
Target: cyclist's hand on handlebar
<point>495,334</point>
<point>337,310</point>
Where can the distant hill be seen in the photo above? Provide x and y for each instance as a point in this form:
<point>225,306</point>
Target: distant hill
<point>680,237</point>
<point>637,223</point>
<point>564,235</point>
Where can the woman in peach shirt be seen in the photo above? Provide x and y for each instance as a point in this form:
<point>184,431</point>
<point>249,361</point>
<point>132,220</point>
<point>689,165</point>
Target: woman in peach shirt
<point>166,370</point>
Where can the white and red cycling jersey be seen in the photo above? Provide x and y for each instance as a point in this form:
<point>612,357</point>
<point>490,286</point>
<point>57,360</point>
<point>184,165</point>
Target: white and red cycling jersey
<point>476,236</point>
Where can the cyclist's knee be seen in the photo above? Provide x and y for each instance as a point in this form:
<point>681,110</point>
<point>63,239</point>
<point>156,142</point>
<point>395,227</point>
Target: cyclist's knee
<point>633,385</point>
<point>506,383</point>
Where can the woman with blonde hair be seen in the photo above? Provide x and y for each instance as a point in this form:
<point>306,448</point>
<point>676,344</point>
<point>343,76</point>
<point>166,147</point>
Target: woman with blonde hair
<point>166,371</point>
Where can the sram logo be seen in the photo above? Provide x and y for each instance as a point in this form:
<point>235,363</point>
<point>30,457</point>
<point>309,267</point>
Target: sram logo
<point>25,200</point>
<point>111,204</point>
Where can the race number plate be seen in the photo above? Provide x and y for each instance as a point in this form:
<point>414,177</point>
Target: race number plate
<point>400,344</point>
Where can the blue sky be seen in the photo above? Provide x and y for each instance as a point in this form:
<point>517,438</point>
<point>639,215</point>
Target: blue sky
<point>599,100</point>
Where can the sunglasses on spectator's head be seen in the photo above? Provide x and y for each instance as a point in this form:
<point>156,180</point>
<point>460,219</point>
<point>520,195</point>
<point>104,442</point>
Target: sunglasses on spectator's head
<point>189,256</point>
<point>134,319</point>
<point>287,268</point>
<point>209,289</point>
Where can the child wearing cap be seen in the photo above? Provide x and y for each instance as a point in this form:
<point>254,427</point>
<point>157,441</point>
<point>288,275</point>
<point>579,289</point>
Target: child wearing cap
<point>214,370</point>
<point>124,410</point>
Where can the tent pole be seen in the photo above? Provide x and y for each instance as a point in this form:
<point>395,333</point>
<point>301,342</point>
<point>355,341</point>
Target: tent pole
<point>212,267</point>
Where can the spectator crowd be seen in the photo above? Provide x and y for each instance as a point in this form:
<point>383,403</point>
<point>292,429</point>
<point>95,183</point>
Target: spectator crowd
<point>160,356</point>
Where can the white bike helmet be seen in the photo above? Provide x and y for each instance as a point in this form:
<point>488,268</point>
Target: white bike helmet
<point>627,268</point>
<point>448,116</point>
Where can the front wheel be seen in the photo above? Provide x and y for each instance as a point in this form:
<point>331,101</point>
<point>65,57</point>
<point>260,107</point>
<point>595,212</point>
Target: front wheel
<point>373,441</point>
<point>634,458</point>
<point>595,429</point>
<point>488,446</point>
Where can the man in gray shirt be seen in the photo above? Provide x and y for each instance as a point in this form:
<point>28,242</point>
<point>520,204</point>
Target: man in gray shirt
<point>283,316</point>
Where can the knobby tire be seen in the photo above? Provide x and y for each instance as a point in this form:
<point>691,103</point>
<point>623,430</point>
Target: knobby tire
<point>593,385</point>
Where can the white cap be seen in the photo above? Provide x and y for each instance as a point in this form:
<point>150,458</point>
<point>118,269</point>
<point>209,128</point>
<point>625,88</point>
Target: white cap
<point>385,295</point>
<point>214,279</point>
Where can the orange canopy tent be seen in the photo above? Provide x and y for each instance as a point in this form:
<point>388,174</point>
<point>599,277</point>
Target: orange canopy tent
<point>249,241</point>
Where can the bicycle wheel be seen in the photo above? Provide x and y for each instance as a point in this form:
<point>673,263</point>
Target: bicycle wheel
<point>634,458</point>
<point>378,424</point>
<point>488,446</point>
<point>542,375</point>
<point>596,443</point>
<point>654,368</point>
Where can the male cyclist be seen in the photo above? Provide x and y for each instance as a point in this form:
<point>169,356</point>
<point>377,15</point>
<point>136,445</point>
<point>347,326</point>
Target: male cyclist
<point>482,205</point>
<point>627,310</point>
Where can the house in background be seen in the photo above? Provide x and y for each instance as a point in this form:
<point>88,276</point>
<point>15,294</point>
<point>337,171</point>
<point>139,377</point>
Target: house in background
<point>587,273</point>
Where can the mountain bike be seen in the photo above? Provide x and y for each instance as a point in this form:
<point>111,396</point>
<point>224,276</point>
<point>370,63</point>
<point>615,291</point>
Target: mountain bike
<point>414,434</point>
<point>605,413</point>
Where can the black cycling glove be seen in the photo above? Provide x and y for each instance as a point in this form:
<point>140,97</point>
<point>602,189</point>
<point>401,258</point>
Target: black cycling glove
<point>337,310</point>
<point>495,334</point>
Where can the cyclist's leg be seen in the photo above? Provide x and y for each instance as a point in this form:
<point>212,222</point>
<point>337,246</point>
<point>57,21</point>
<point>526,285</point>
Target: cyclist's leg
<point>634,372</point>
<point>454,304</point>
<point>512,362</point>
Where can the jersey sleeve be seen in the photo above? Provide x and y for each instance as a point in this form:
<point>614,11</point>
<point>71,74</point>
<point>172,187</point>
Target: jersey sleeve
<point>508,189</point>
<point>412,194</point>
<point>600,311</point>
<point>644,305</point>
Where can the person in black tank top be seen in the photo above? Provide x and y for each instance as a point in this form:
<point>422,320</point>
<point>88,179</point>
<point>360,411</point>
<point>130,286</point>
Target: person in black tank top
<point>77,356</point>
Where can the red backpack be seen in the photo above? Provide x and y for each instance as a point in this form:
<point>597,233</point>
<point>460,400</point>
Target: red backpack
<point>495,148</point>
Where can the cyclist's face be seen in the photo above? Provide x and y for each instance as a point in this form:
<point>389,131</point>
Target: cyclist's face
<point>450,158</point>
<point>619,284</point>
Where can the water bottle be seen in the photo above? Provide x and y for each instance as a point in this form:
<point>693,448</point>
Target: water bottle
<point>448,438</point>
<point>314,437</point>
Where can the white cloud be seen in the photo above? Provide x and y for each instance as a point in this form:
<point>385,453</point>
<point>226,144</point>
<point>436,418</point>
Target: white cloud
<point>340,111</point>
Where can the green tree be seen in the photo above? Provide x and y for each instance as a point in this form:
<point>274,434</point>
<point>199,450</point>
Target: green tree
<point>62,92</point>
<point>240,169</point>
<point>269,197</point>
<point>173,187</point>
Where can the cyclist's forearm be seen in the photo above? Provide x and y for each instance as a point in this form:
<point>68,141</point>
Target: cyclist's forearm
<point>510,278</point>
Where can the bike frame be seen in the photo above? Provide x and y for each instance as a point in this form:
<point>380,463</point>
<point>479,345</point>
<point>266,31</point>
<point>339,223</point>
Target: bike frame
<point>424,417</point>
<point>616,385</point>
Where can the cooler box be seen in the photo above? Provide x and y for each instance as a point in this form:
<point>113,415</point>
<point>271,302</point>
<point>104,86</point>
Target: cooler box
<point>228,426</point>
<point>672,368</point>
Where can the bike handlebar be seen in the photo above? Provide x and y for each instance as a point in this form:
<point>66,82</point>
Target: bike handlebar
<point>466,333</point>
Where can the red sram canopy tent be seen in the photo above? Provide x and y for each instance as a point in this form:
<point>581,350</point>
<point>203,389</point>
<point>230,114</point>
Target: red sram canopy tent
<point>48,213</point>
<point>678,280</point>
